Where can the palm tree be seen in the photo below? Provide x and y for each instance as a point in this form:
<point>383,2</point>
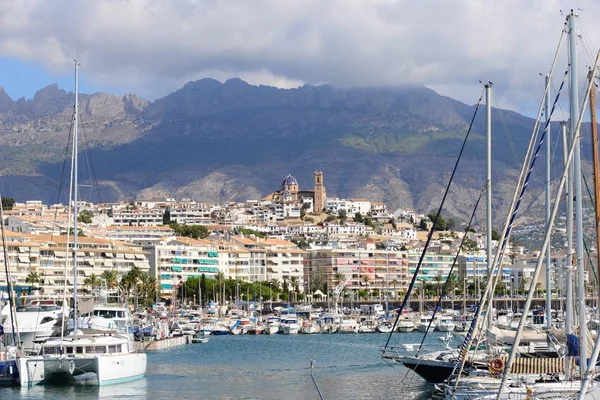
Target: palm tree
<point>366,280</point>
<point>92,281</point>
<point>149,287</point>
<point>294,281</point>
<point>394,282</point>
<point>33,277</point>
<point>110,278</point>
<point>221,279</point>
<point>132,280</point>
<point>438,280</point>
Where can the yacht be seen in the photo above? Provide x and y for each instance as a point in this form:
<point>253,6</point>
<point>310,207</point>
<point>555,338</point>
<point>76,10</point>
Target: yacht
<point>425,324</point>
<point>348,325</point>
<point>290,325</point>
<point>406,324</point>
<point>446,324</point>
<point>35,321</point>
<point>106,358</point>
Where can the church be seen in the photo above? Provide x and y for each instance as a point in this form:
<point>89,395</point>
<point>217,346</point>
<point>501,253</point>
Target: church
<point>290,192</point>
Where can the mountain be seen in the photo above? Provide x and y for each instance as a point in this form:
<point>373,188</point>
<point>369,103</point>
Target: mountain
<point>214,141</point>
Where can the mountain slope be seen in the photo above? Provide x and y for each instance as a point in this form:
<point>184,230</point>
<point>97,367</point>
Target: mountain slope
<point>232,141</point>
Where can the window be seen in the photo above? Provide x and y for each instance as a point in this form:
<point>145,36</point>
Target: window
<point>79,350</point>
<point>112,349</point>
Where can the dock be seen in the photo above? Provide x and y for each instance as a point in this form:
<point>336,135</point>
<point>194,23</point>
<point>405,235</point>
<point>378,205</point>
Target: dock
<point>163,344</point>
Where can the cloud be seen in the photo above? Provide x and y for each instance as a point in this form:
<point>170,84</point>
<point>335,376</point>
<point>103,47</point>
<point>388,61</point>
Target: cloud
<point>153,47</point>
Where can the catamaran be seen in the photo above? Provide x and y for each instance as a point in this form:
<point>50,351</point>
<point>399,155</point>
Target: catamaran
<point>104,357</point>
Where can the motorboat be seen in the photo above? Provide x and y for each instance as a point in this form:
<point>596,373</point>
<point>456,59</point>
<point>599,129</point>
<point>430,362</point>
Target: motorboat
<point>446,324</point>
<point>199,338</point>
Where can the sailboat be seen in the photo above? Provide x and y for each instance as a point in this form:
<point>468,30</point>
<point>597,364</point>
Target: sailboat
<point>105,357</point>
<point>515,377</point>
<point>437,366</point>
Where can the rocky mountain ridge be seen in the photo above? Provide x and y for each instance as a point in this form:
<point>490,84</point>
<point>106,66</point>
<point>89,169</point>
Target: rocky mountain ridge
<point>214,141</point>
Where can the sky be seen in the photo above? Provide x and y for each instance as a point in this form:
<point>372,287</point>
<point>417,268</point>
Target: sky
<point>154,47</point>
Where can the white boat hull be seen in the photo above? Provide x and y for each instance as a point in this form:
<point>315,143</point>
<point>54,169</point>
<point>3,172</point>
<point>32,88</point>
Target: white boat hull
<point>290,329</point>
<point>446,327</point>
<point>108,368</point>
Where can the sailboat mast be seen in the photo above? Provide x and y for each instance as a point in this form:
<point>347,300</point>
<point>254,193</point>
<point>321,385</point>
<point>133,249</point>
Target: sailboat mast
<point>488,125</point>
<point>569,259</point>
<point>596,159</point>
<point>548,211</point>
<point>75,201</point>
<point>574,115</point>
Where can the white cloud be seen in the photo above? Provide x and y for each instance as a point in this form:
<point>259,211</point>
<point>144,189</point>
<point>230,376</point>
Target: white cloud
<point>152,47</point>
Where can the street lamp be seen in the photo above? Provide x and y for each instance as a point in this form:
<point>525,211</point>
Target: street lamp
<point>271,296</point>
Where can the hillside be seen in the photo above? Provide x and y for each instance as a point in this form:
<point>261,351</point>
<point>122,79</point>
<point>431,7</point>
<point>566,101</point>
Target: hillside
<point>228,141</point>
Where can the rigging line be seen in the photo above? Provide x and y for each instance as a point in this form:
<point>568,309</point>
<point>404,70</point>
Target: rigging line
<point>586,41</point>
<point>584,241</point>
<point>532,165</point>
<point>12,306</point>
<point>449,276</point>
<point>505,126</point>
<point>89,159</point>
<point>516,203</point>
<point>430,235</point>
<point>575,142</point>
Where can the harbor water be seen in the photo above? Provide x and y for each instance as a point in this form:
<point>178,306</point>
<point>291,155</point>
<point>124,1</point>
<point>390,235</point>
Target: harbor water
<point>346,366</point>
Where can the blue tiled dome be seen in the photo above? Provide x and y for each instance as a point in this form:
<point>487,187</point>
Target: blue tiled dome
<point>289,180</point>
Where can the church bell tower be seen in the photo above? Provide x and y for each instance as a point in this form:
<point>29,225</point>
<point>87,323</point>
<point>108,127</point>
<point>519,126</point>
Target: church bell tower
<point>320,195</point>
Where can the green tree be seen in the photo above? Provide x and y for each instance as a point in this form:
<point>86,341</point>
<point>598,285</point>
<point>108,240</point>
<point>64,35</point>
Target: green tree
<point>495,235</point>
<point>330,218</point>
<point>440,225</point>
<point>295,281</point>
<point>470,245</point>
<point>132,280</point>
<point>167,216</point>
<point>33,277</point>
<point>8,203</point>
<point>149,288</point>
<point>423,225</point>
<point>92,281</point>
<point>439,279</point>
<point>111,278</point>
<point>85,216</point>
<point>193,231</point>
<point>358,217</point>
<point>342,215</point>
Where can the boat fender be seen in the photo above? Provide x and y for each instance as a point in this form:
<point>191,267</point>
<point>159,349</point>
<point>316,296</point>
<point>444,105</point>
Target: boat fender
<point>496,366</point>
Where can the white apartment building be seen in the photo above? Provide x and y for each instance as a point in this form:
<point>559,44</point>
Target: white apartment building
<point>174,260</point>
<point>348,228</point>
<point>137,216</point>
<point>49,257</point>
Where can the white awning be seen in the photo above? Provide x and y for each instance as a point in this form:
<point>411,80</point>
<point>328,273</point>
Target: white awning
<point>129,256</point>
<point>120,255</point>
<point>81,254</point>
<point>108,263</point>
<point>140,257</point>
<point>23,259</point>
<point>109,255</point>
<point>23,249</point>
<point>140,264</point>
<point>60,253</point>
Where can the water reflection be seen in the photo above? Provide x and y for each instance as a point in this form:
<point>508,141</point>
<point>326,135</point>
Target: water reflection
<point>80,391</point>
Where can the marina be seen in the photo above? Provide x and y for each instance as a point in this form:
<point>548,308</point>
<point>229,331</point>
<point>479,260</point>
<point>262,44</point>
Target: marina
<point>260,367</point>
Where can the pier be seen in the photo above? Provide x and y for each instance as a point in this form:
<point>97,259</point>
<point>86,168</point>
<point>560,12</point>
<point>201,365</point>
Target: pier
<point>163,344</point>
